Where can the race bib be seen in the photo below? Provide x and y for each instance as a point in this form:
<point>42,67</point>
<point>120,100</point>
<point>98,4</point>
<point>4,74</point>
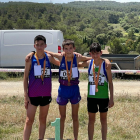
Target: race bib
<point>100,82</point>
<point>91,80</point>
<point>74,72</point>
<point>92,89</point>
<point>63,74</point>
<point>47,72</point>
<point>37,70</point>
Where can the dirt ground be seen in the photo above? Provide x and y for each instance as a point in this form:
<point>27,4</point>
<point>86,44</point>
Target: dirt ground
<point>11,88</point>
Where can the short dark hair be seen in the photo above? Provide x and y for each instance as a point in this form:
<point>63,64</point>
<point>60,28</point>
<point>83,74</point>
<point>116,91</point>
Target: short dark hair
<point>95,47</point>
<point>68,42</point>
<point>40,37</point>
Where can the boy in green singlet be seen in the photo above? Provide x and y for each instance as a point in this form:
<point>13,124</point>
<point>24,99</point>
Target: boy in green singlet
<point>98,98</point>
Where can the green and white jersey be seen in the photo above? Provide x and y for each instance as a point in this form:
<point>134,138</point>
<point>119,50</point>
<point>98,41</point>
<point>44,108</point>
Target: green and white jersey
<point>102,83</point>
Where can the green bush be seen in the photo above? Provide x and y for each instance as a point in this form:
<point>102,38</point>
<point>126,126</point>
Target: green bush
<point>3,75</point>
<point>7,75</point>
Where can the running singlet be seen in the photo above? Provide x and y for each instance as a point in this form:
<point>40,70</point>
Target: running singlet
<point>63,79</point>
<point>102,83</point>
<point>36,88</point>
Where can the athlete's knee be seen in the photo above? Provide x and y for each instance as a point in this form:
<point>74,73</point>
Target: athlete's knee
<point>29,121</point>
<point>91,120</point>
<point>103,121</point>
<point>75,117</point>
<point>42,120</point>
<point>63,117</point>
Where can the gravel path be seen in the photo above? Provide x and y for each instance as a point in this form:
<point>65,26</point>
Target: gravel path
<point>11,88</point>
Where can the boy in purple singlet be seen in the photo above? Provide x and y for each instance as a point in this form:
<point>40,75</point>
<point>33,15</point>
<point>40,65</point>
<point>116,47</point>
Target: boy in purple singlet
<point>37,87</point>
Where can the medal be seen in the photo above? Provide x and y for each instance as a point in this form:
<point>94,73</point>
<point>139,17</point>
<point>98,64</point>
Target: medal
<point>42,76</point>
<point>68,74</point>
<point>96,79</point>
<point>96,89</point>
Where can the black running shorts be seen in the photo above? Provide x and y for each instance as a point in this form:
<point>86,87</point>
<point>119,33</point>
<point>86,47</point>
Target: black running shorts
<point>94,105</point>
<point>42,100</point>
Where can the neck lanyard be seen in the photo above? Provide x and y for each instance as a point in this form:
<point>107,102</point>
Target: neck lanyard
<point>68,74</point>
<point>96,79</point>
<point>42,76</point>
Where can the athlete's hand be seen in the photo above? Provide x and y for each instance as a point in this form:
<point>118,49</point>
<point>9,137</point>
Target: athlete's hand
<point>29,56</point>
<point>26,102</point>
<point>107,64</point>
<point>111,103</point>
<point>77,54</point>
<point>63,53</point>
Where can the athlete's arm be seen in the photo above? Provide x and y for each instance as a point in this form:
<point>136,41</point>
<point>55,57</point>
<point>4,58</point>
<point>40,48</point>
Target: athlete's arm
<point>109,75</point>
<point>53,60</point>
<point>83,58</point>
<point>29,56</point>
<point>57,55</point>
<point>84,64</point>
<point>77,54</point>
<point>25,83</point>
<point>107,63</point>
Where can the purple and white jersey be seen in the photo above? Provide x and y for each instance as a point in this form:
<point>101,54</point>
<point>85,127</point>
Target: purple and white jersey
<point>36,88</point>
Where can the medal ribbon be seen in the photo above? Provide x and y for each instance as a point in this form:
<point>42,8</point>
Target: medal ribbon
<point>96,79</point>
<point>42,76</point>
<point>68,75</point>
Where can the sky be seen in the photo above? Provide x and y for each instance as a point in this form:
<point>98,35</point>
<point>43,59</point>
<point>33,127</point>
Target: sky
<point>66,1</point>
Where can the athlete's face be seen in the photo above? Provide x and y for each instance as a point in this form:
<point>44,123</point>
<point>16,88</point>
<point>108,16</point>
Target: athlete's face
<point>95,55</point>
<point>69,49</point>
<point>40,45</point>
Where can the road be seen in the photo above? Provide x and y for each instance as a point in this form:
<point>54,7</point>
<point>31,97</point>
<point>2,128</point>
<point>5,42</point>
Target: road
<point>11,88</point>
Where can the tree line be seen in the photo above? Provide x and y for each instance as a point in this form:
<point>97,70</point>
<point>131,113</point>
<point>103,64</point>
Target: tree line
<point>109,23</point>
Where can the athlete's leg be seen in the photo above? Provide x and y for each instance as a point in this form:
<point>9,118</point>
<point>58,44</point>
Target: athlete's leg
<point>42,120</point>
<point>103,119</point>
<point>91,122</point>
<point>75,108</point>
<point>31,110</point>
<point>62,110</point>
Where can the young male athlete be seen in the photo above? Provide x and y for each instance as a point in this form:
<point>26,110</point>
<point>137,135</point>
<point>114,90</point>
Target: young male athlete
<point>37,92</point>
<point>98,98</point>
<point>69,80</point>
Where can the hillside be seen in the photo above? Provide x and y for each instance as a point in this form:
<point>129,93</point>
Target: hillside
<point>84,22</point>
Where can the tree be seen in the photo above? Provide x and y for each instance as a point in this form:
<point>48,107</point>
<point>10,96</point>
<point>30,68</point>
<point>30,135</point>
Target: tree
<point>102,39</point>
<point>113,18</point>
<point>81,26</point>
<point>22,24</point>
<point>138,48</point>
<point>130,44</point>
<point>131,35</point>
<point>118,33</point>
<point>115,46</point>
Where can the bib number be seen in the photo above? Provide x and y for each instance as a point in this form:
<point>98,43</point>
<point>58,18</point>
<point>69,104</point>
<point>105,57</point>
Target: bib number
<point>100,82</point>
<point>63,75</point>
<point>46,74</point>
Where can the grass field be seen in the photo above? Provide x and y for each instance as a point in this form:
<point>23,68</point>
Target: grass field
<point>123,119</point>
